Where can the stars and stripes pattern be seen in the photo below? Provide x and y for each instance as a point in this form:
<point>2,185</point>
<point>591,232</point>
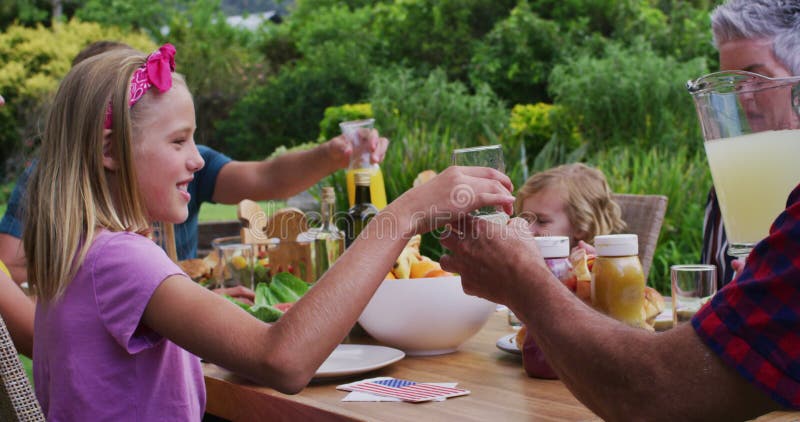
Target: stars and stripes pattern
<point>406,390</point>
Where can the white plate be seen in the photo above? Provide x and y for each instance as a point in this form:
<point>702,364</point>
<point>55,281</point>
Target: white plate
<point>509,344</point>
<point>349,359</point>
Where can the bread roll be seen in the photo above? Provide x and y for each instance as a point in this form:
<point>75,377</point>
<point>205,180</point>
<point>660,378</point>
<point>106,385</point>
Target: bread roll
<point>423,177</point>
<point>653,303</point>
<point>197,269</point>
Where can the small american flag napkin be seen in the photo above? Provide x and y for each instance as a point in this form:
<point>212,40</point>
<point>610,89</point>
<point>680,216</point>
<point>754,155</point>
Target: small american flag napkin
<point>403,389</point>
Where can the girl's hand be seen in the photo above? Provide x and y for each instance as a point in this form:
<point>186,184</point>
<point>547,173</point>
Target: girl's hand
<point>449,197</point>
<point>590,250</point>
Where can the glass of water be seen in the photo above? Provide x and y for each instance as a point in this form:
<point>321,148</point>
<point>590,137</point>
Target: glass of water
<point>484,156</point>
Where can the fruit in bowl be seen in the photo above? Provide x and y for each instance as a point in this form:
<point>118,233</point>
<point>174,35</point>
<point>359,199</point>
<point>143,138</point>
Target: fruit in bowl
<point>424,316</point>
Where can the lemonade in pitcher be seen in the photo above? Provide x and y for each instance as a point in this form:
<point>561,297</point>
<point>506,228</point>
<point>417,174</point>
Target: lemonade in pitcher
<point>751,133</point>
<point>753,175</point>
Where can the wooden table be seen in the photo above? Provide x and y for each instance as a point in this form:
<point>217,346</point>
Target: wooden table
<point>500,390</point>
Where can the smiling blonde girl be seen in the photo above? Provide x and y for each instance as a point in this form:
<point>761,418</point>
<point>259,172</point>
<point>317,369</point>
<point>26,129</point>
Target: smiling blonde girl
<point>117,334</point>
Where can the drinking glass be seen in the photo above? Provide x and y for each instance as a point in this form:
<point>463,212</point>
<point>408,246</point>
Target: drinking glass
<point>484,156</point>
<point>239,259</point>
<point>751,132</point>
<point>692,286</point>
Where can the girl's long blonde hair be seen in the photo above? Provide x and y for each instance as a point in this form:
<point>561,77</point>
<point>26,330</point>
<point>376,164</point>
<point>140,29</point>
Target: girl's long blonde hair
<point>70,194</point>
<point>590,209</point>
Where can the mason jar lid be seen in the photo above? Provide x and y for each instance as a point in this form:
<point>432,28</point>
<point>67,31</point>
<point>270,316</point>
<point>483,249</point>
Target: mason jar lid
<point>553,246</point>
<point>617,245</point>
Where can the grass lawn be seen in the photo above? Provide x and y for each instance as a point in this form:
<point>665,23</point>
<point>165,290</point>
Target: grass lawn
<point>216,212</point>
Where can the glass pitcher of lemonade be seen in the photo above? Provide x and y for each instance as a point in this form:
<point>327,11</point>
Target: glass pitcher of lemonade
<point>751,134</point>
<point>357,132</point>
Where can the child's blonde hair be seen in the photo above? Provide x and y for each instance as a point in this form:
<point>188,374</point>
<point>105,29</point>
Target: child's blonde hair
<point>71,194</point>
<point>587,196</point>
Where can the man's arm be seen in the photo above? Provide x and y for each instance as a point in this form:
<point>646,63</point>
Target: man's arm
<point>288,174</point>
<point>17,311</point>
<point>620,372</point>
<point>11,251</point>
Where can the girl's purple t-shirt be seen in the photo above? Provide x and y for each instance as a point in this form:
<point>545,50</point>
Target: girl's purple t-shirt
<point>94,360</point>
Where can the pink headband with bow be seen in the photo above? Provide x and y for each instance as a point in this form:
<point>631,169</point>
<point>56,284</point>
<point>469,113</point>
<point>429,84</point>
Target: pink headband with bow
<point>156,71</point>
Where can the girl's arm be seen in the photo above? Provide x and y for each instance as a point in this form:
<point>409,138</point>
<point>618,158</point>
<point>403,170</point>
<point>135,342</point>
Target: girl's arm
<point>285,355</point>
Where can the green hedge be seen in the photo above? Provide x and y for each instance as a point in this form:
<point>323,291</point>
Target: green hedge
<point>329,126</point>
<point>32,62</point>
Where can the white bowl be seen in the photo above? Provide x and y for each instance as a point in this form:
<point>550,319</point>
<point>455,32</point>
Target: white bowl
<point>424,316</point>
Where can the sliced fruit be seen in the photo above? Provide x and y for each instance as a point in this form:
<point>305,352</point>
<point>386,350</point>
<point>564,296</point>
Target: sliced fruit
<point>390,276</point>
<point>420,269</point>
<point>438,273</point>
<point>238,262</point>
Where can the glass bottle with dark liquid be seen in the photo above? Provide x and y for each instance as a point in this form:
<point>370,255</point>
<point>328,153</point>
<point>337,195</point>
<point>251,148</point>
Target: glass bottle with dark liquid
<point>359,214</point>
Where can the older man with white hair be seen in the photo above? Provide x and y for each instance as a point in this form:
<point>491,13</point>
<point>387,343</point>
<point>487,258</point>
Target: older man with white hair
<point>740,356</point>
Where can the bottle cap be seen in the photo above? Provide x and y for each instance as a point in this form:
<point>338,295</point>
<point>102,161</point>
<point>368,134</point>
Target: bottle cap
<point>617,245</point>
<point>362,178</point>
<point>553,246</point>
<point>328,194</point>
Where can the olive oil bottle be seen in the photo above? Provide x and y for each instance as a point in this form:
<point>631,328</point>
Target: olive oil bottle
<point>328,239</point>
<point>359,214</point>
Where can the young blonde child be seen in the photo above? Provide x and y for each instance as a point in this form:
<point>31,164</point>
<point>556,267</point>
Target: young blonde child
<point>117,334</point>
<point>571,200</point>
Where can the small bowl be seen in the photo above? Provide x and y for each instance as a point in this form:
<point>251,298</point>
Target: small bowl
<point>424,316</point>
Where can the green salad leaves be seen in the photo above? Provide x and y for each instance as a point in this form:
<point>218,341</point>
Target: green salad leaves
<point>283,288</point>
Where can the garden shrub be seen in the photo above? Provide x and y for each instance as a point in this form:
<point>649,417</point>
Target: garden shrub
<point>630,96</point>
<point>400,99</point>
<point>329,126</point>
<point>34,60</point>
<point>536,124</point>
<point>516,57</point>
<point>285,110</point>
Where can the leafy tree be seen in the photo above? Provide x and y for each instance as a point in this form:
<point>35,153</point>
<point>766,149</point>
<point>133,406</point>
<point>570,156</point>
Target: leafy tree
<point>147,15</point>
<point>219,63</point>
<point>333,68</point>
<point>516,57</point>
<point>428,34</point>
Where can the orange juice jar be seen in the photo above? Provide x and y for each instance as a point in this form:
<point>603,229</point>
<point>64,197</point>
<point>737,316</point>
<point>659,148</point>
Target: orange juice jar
<point>617,278</point>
